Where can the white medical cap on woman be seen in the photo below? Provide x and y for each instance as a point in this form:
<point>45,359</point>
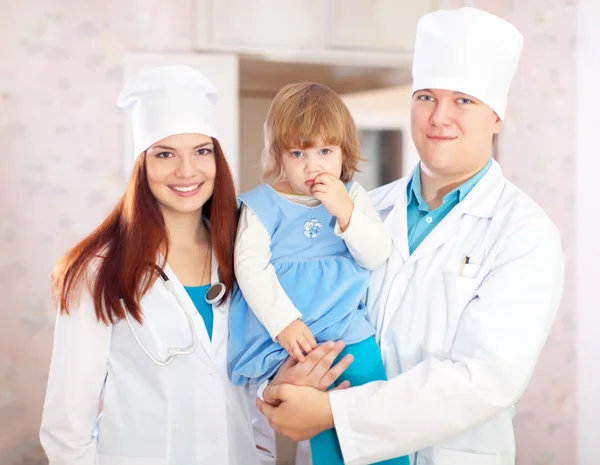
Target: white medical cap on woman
<point>166,101</point>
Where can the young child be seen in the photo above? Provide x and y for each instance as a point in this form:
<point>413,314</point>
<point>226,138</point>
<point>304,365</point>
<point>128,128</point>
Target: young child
<point>304,248</point>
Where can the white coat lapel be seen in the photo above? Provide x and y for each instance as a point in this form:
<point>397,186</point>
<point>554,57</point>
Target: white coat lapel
<point>396,221</point>
<point>442,233</point>
<point>484,197</point>
<point>480,202</point>
<point>202,334</point>
<point>220,332</point>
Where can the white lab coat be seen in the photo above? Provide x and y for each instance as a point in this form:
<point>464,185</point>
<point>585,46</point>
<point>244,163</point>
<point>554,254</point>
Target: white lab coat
<point>183,414</point>
<point>459,347</point>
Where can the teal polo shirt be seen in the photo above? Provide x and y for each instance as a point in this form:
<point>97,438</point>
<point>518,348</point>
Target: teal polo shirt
<point>421,220</point>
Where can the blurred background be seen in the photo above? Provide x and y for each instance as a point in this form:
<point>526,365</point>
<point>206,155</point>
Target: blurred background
<point>66,155</point>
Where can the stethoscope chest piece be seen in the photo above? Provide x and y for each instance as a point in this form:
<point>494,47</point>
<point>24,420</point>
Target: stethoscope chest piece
<point>215,293</point>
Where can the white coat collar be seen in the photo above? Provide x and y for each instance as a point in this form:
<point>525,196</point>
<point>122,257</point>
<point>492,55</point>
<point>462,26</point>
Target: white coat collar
<point>220,329</point>
<point>483,198</point>
<point>204,343</point>
<point>482,202</point>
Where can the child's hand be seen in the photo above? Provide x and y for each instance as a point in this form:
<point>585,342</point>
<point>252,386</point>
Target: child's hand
<point>296,338</point>
<point>333,195</point>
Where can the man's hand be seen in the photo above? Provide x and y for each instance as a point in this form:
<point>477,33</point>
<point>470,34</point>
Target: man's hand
<point>315,371</point>
<point>303,411</point>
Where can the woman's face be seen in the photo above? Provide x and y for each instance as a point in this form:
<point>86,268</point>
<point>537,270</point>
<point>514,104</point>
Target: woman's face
<point>181,172</point>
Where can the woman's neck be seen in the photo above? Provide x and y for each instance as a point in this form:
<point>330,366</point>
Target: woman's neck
<point>189,248</point>
<point>185,230</point>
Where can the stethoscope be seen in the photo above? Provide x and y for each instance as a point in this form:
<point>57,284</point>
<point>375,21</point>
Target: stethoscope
<point>213,296</point>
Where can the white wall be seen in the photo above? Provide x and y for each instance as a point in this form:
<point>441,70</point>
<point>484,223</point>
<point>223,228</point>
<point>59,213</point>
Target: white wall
<point>253,111</point>
<point>588,232</point>
<point>386,109</point>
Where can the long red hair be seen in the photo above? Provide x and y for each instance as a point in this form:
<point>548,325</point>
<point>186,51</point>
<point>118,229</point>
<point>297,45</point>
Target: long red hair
<point>116,260</point>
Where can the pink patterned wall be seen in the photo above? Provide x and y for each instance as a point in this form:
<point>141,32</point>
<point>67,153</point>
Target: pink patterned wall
<point>61,140</point>
<point>62,143</point>
<point>537,153</point>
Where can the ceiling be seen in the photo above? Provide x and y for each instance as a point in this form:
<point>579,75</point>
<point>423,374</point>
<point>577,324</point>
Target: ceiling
<point>264,78</point>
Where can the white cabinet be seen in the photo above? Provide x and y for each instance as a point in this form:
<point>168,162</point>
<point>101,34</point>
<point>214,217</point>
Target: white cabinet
<point>376,25</point>
<point>350,32</point>
<point>276,23</point>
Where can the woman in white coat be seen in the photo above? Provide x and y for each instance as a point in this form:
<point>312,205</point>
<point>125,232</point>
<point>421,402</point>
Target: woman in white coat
<point>138,337</point>
<point>465,302</point>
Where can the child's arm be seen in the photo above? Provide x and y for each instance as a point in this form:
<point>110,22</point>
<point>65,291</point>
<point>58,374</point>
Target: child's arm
<point>261,289</point>
<point>366,236</point>
<point>357,221</point>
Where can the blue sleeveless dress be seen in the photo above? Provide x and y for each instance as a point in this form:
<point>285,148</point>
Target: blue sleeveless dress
<point>317,272</point>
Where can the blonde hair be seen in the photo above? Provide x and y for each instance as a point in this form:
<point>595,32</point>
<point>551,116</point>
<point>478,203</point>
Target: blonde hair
<point>303,115</point>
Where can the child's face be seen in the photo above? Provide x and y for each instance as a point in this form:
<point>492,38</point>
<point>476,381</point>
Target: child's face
<point>302,166</point>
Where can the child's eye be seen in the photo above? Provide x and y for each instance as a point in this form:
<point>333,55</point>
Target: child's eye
<point>296,154</point>
<point>464,100</point>
<point>164,155</point>
<point>204,152</point>
<point>325,151</point>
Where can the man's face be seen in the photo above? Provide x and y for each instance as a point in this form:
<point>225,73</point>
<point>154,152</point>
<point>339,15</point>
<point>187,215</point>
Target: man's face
<point>452,132</point>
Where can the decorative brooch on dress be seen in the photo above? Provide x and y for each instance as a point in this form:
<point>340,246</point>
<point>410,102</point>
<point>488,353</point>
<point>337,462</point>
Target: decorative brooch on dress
<point>312,228</point>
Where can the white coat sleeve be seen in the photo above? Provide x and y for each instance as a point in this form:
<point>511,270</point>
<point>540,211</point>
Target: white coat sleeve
<point>256,276</point>
<point>77,374</point>
<point>497,344</point>
<point>366,236</point>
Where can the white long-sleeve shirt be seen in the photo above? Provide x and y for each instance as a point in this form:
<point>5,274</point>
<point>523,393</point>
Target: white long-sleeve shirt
<point>366,238</point>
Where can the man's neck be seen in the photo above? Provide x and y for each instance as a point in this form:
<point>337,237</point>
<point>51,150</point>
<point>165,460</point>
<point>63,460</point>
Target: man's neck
<point>435,186</point>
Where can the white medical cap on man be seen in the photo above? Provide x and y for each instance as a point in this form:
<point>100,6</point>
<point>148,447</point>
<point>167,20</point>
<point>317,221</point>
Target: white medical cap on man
<point>166,101</point>
<point>469,51</point>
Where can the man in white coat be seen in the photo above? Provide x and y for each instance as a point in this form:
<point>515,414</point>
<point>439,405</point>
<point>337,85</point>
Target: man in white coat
<point>465,303</point>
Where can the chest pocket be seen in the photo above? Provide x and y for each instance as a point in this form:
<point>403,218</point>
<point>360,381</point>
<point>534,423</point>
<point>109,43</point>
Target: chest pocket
<point>460,290</point>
